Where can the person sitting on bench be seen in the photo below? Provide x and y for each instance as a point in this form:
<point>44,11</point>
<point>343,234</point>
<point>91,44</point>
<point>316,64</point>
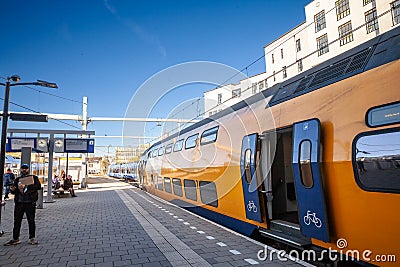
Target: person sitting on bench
<point>68,185</point>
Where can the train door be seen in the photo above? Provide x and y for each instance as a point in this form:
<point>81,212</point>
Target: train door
<point>250,182</point>
<point>279,187</point>
<point>308,180</point>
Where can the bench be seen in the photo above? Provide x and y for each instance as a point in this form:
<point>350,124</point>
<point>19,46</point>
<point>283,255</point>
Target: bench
<point>61,193</point>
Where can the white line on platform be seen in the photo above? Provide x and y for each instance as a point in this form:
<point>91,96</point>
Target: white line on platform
<point>226,229</point>
<point>210,237</point>
<point>168,243</point>
<point>221,244</point>
<point>251,261</point>
<point>201,232</point>
<point>234,252</point>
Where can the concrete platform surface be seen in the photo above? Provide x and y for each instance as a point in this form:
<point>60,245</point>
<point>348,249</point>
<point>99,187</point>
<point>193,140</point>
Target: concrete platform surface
<point>115,224</point>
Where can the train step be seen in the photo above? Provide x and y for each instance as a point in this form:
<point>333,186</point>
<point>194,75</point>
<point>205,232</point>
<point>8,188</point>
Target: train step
<point>286,232</point>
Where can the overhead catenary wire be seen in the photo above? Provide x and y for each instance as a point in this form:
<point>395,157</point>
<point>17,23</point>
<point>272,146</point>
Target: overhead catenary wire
<point>29,109</point>
<point>288,66</point>
<point>50,94</point>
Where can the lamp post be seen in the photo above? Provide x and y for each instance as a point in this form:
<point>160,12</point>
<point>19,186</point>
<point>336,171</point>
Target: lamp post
<point>8,84</point>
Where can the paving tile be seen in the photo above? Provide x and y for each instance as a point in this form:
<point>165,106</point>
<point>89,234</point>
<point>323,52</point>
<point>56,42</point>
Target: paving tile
<point>103,228</point>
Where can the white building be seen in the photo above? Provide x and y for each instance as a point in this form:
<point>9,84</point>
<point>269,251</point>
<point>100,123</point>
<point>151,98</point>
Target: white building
<point>225,96</point>
<point>331,28</point>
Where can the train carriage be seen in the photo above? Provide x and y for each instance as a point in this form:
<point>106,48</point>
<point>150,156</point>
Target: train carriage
<point>309,162</point>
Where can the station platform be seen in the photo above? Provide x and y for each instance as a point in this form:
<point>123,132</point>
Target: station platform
<point>113,223</point>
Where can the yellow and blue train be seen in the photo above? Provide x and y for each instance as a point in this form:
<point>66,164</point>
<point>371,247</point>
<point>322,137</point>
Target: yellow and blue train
<point>309,162</point>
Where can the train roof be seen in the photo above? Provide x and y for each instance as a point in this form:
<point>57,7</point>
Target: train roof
<point>371,54</point>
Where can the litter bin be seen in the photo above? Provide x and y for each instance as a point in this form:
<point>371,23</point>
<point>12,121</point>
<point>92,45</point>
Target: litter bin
<point>39,202</point>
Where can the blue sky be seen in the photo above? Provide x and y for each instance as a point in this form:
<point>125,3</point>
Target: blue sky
<point>106,49</point>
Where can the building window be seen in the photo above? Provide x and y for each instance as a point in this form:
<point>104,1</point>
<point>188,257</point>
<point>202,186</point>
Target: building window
<point>298,45</point>
<point>396,12</point>
<point>342,9</point>
<point>266,83</point>
<point>319,21</point>
<point>219,98</point>
<point>274,76</point>
<point>371,20</point>
<point>300,65</point>
<point>322,45</point>
<point>254,88</point>
<point>272,58</point>
<point>284,72</point>
<point>345,33</point>
<point>366,2</point>
<point>236,93</point>
<point>281,52</point>
<point>260,86</point>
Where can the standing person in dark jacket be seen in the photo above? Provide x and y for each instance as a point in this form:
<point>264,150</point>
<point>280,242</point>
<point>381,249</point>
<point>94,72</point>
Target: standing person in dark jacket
<point>25,202</point>
<point>8,181</point>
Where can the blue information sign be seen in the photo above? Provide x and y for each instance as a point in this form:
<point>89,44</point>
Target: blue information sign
<point>78,145</point>
<point>14,144</point>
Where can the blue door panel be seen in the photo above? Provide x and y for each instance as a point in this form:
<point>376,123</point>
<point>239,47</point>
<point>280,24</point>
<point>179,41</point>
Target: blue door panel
<point>311,202</point>
<point>251,197</point>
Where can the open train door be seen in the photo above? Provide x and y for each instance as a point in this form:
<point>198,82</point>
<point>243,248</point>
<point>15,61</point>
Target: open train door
<point>249,179</point>
<point>308,180</point>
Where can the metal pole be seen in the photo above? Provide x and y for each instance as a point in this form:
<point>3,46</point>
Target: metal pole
<point>84,128</point>
<point>66,167</point>
<point>50,169</point>
<point>3,140</point>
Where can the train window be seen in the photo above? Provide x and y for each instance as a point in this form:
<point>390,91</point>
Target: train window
<point>178,145</point>
<point>376,160</point>
<point>383,115</point>
<point>161,151</point>
<point>247,164</point>
<point>208,193</point>
<point>154,153</point>
<point>305,164</point>
<point>191,141</point>
<point>177,186</point>
<point>209,136</point>
<point>190,189</point>
<point>167,185</point>
<point>160,184</point>
<point>168,149</point>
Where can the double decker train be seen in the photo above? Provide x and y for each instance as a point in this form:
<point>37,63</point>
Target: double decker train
<point>313,162</point>
<point>127,171</point>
